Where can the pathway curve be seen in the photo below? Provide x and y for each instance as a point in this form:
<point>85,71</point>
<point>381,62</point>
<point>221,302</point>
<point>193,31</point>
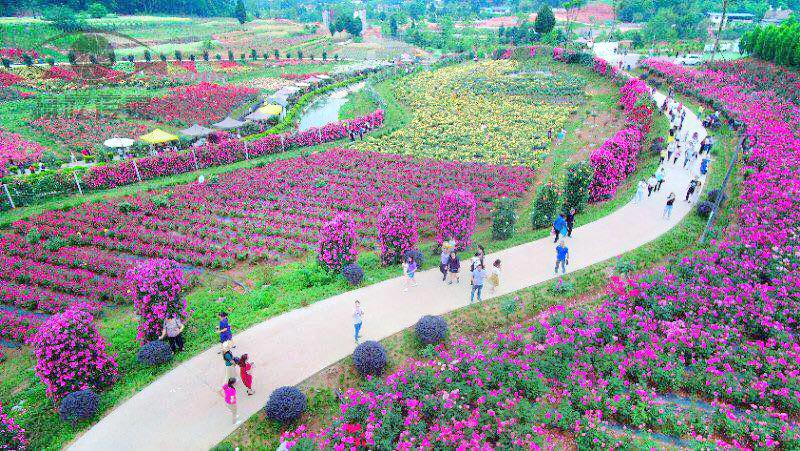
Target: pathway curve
<point>183,410</point>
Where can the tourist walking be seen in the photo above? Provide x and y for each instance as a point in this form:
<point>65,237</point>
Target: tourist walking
<point>245,368</point>
<point>692,187</point>
<point>224,331</point>
<point>696,193</point>
<point>230,361</point>
<point>570,221</point>
<point>559,227</point>
<point>663,155</point>
<point>677,154</point>
<point>494,277</point>
<point>659,178</point>
<point>453,265</point>
<point>562,257</point>
<point>409,269</point>
<point>651,185</point>
<point>640,188</point>
<point>358,320</point>
<point>228,392</point>
<point>478,277</point>
<point>443,258</point>
<point>668,208</point>
<point>173,327</point>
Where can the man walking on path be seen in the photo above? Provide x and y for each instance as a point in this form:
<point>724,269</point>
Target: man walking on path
<point>570,221</point>
<point>562,257</point>
<point>651,185</point>
<point>443,259</point>
<point>659,178</point>
<point>224,331</point>
<point>358,320</point>
<point>560,227</point>
<point>692,187</point>
<point>640,187</point>
<point>478,276</point>
<point>668,207</point>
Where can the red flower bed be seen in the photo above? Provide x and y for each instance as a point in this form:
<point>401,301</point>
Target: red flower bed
<point>8,79</point>
<point>83,131</point>
<point>202,103</point>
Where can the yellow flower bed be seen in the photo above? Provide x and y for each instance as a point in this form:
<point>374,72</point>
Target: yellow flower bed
<point>452,122</point>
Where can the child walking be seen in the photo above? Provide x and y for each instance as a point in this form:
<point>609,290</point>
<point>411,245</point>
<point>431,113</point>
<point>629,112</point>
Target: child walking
<point>358,320</point>
<point>409,269</point>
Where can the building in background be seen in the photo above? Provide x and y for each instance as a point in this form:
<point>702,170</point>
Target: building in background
<point>776,16</point>
<point>730,18</point>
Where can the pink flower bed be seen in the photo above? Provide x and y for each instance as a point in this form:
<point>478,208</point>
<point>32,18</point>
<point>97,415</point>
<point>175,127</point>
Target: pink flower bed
<point>338,245</point>
<point>60,73</point>
<point>12,436</point>
<point>16,55</point>
<point>8,79</point>
<point>157,287</point>
<point>14,150</point>
<point>203,103</point>
<point>227,150</point>
<point>84,131</point>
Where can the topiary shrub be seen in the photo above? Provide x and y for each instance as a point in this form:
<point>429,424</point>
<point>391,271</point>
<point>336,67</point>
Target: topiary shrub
<point>714,193</point>
<point>337,244</point>
<point>157,286</point>
<point>456,217</point>
<point>504,218</point>
<point>431,329</point>
<point>285,404</point>
<point>545,205</point>
<point>154,353</point>
<point>71,355</point>
<point>397,231</point>
<point>577,179</point>
<point>415,254</point>
<point>704,209</point>
<point>353,273</point>
<point>369,358</point>
<point>78,406</point>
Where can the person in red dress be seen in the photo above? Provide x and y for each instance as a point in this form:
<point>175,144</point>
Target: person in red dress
<point>245,366</point>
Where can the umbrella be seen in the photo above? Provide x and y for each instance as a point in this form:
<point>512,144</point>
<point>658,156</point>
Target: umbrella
<point>313,80</point>
<point>196,130</point>
<point>228,123</point>
<point>324,77</point>
<point>158,136</point>
<point>301,84</point>
<point>118,143</point>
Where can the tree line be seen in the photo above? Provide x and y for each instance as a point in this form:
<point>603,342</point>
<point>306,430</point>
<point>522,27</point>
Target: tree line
<point>779,44</point>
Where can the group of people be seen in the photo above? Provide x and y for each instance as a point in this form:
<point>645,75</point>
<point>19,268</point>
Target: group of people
<point>233,363</point>
<point>450,267</point>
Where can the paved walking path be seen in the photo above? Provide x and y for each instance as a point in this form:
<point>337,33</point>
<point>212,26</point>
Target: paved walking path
<point>183,410</point>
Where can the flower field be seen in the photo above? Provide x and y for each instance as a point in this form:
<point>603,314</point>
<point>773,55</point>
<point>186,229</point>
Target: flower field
<point>84,131</point>
<point>203,103</point>
<point>14,150</point>
<point>700,354</point>
<point>81,255</point>
<point>487,112</point>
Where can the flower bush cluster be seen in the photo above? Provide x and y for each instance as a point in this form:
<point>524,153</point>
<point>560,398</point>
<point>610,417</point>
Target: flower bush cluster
<point>156,352</point>
<point>545,205</point>
<point>613,161</point>
<point>431,329</point>
<point>157,289</point>
<point>12,435</point>
<point>78,406</point>
<point>577,178</point>
<point>456,217</point>
<point>7,79</point>
<point>285,405</point>
<point>338,244</point>
<point>202,103</point>
<point>369,358</point>
<point>85,131</point>
<point>71,355</point>
<point>702,352</point>
<point>16,151</point>
<point>398,231</point>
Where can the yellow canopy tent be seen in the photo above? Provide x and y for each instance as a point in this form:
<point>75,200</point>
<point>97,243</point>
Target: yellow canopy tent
<point>158,136</point>
<point>271,109</point>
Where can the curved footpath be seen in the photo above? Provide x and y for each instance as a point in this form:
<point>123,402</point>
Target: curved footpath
<point>183,410</point>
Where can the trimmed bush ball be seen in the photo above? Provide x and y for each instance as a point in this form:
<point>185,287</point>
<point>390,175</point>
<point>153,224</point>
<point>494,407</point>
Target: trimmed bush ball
<point>705,208</point>
<point>431,329</point>
<point>416,255</point>
<point>353,273</point>
<point>154,353</point>
<point>78,406</point>
<point>712,196</point>
<point>369,358</point>
<point>285,404</point>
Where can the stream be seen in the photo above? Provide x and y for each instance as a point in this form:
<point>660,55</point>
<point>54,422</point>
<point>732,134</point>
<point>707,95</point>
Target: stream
<point>325,110</point>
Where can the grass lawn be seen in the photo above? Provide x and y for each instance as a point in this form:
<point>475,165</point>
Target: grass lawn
<point>274,290</point>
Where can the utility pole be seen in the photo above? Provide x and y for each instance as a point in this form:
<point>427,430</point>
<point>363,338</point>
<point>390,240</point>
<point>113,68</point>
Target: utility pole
<point>719,31</point>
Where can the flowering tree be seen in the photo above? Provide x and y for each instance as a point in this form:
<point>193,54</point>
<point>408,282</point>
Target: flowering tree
<point>71,355</point>
<point>337,245</point>
<point>397,231</point>
<point>12,436</point>
<point>157,287</point>
<point>456,217</point>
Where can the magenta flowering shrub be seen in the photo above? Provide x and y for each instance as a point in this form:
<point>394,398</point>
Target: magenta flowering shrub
<point>613,162</point>
<point>397,231</point>
<point>12,435</point>
<point>71,355</point>
<point>456,217</point>
<point>338,244</point>
<point>157,286</point>
<point>14,150</point>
